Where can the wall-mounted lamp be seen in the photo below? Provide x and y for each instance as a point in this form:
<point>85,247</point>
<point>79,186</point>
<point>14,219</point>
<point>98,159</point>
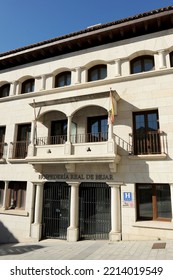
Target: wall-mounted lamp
<point>88,149</point>
<point>49,151</point>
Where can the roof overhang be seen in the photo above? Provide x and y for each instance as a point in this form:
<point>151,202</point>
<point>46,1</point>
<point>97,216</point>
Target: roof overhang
<point>154,21</point>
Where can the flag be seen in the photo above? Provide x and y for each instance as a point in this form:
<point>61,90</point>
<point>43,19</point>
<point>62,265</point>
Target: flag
<point>111,108</point>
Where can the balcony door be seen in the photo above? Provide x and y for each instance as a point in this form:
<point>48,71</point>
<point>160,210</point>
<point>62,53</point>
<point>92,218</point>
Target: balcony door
<point>58,132</point>
<point>146,133</point>
<point>23,139</point>
<point>97,129</point>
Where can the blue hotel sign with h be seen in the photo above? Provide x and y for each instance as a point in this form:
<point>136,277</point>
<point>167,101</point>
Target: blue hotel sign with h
<point>127,196</point>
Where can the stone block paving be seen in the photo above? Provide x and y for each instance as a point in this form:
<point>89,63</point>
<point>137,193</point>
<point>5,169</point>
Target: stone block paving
<point>88,250</point>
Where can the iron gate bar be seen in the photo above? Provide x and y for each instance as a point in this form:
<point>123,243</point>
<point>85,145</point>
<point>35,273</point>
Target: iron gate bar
<point>56,205</point>
<point>94,211</point>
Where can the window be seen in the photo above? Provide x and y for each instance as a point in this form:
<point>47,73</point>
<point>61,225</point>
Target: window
<point>4,90</point>
<point>97,72</point>
<point>2,137</point>
<point>63,79</point>
<point>146,136</point>
<point>154,202</point>
<point>171,58</point>
<point>17,195</point>
<point>97,129</point>
<point>58,132</point>
<point>1,193</point>
<point>28,86</point>
<point>142,64</point>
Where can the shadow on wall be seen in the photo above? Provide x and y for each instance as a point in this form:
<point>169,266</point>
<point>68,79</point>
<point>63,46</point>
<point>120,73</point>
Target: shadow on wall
<point>6,236</point>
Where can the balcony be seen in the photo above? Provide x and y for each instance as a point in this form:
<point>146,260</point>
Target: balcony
<point>18,150</point>
<point>148,145</point>
<point>77,138</point>
<point>82,148</point>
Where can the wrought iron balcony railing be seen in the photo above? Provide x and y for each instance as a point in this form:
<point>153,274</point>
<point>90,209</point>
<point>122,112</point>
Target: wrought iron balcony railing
<point>148,143</point>
<point>76,138</point>
<point>51,140</point>
<point>19,149</point>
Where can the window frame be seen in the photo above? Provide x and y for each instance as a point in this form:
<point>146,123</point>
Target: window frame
<point>154,203</point>
<point>141,59</point>
<point>98,68</point>
<point>66,75</point>
<point>30,84</point>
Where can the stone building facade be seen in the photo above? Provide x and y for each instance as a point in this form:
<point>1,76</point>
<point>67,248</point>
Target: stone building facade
<point>86,134</point>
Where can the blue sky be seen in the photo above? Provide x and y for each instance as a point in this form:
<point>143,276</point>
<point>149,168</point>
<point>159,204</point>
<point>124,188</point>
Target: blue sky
<point>24,22</point>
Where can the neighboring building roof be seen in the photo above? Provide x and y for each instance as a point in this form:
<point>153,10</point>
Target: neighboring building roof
<point>149,22</point>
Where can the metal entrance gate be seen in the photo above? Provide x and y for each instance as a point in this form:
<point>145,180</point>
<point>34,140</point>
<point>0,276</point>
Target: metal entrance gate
<point>94,211</point>
<point>56,201</point>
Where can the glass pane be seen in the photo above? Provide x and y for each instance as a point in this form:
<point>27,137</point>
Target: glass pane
<point>28,86</point>
<point>61,81</point>
<point>94,75</point>
<point>148,64</point>
<point>104,129</point>
<point>103,72</point>
<point>163,201</point>
<point>22,198</point>
<point>145,202</point>
<point>136,67</point>
<point>1,196</point>
<point>140,122</point>
<point>95,127</point>
<point>2,134</point>
<point>68,79</point>
<point>152,122</point>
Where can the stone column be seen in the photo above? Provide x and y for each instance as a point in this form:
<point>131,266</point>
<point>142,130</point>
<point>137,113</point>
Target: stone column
<point>4,205</point>
<point>73,230</point>
<point>68,142</point>
<point>115,233</point>
<point>171,190</point>
<point>78,75</point>
<point>117,67</point>
<point>36,227</point>
<point>18,88</point>
<point>33,136</point>
<point>110,130</point>
<point>43,82</point>
<point>13,88</point>
<point>162,62</point>
<point>85,70</point>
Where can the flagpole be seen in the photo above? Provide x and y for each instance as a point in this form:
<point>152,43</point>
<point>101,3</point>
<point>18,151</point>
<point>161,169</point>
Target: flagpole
<point>35,122</point>
<point>110,117</point>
